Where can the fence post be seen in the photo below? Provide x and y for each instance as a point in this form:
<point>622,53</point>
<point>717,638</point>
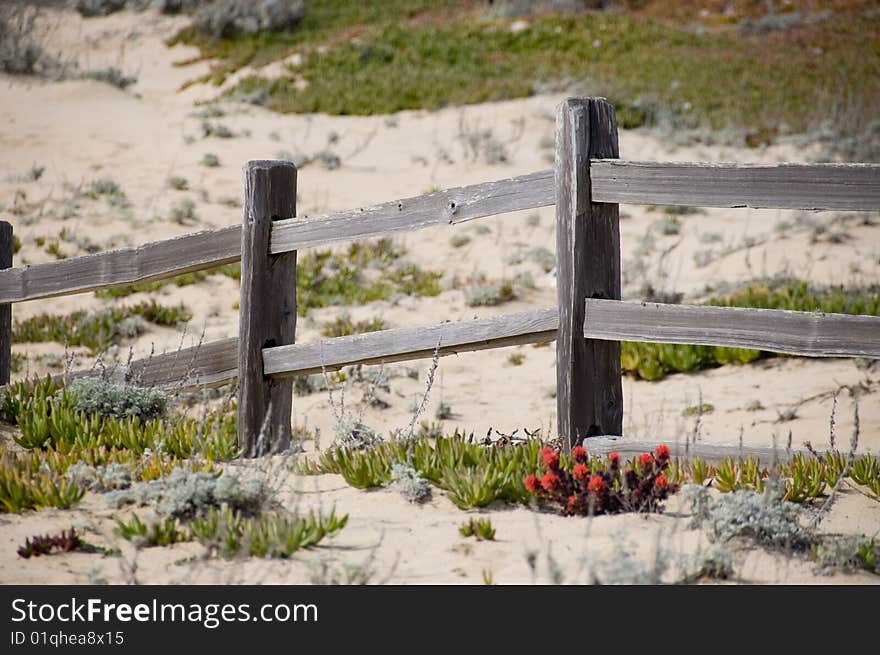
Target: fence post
<point>5,309</point>
<point>589,394</point>
<point>267,308</point>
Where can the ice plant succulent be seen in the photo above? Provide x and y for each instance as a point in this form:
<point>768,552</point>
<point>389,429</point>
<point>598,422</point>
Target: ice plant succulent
<point>581,485</point>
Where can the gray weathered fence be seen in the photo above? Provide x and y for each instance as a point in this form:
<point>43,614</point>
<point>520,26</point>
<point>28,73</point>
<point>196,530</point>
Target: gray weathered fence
<point>589,321</point>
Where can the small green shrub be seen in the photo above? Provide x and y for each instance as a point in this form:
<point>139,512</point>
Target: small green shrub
<point>186,494</point>
<point>848,554</point>
<point>325,278</point>
<point>409,483</point>
<point>101,397</point>
<point>210,160</point>
<point>763,517</point>
<point>178,183</point>
<point>99,478</point>
<point>489,293</point>
<point>22,488</point>
<point>161,532</point>
<point>184,213</point>
<point>97,330</point>
<point>459,240</point>
<point>343,326</point>
<point>651,361</point>
<point>480,528</point>
<point>231,534</point>
<point>104,188</point>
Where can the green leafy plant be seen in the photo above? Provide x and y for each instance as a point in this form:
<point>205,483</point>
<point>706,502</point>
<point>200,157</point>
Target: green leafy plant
<point>22,488</point>
<point>161,532</point>
<point>480,528</point>
<point>343,326</point>
<point>654,361</point>
<point>97,330</point>
<point>230,534</point>
<point>325,278</point>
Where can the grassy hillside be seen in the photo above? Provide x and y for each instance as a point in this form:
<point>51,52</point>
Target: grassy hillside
<point>768,74</point>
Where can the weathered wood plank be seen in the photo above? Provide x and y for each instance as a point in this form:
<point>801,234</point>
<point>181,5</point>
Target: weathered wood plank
<point>210,364</point>
<point>268,308</point>
<point>5,308</point>
<point>589,392</point>
<point>405,344</point>
<point>786,186</point>
<point>626,448</point>
<point>203,250</point>
<point>442,208</point>
<point>810,334</point>
<point>151,261</point>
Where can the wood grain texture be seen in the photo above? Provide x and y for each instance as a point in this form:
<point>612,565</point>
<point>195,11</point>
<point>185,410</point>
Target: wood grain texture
<point>267,308</point>
<point>442,208</point>
<point>210,364</point>
<point>151,261</point>
<point>411,343</point>
<point>589,392</point>
<point>811,334</point>
<point>785,186</point>
<point>626,448</point>
<point>6,248</point>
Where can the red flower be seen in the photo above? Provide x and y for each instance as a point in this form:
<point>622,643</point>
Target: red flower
<point>550,458</point>
<point>660,482</point>
<point>531,482</point>
<point>579,453</point>
<point>580,472</point>
<point>645,460</point>
<point>661,452</point>
<point>614,458</point>
<point>572,502</point>
<point>550,481</point>
<point>597,484</point>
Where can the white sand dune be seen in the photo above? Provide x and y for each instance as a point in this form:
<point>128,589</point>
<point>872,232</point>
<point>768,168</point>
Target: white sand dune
<point>82,131</point>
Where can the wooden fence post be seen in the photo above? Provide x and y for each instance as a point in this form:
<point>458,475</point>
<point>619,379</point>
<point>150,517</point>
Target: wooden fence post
<point>589,394</point>
<point>267,308</point>
<point>6,309</point>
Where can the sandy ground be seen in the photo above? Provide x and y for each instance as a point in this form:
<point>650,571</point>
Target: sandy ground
<point>82,131</point>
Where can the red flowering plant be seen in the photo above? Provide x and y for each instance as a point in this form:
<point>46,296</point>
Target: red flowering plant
<point>583,485</point>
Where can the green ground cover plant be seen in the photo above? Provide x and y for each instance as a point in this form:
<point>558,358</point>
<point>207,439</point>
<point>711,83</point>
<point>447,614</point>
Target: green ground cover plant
<point>325,278</point>
<point>480,528</point>
<point>160,532</point>
<point>275,534</point>
<point>51,416</point>
<point>97,330</point>
<point>343,326</point>
<point>653,361</point>
<point>656,65</point>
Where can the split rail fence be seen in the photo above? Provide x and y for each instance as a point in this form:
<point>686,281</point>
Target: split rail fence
<point>588,323</point>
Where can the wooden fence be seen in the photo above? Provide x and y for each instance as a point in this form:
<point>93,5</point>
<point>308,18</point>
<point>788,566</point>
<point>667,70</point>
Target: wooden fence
<point>588,323</point>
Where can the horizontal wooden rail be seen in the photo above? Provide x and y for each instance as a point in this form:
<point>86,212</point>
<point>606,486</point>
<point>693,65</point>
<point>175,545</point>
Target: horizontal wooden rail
<point>406,344</point>
<point>442,208</point>
<point>211,364</point>
<point>811,334</point>
<point>151,261</point>
<point>203,250</point>
<point>785,186</point>
<point>793,186</point>
<point>626,448</point>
